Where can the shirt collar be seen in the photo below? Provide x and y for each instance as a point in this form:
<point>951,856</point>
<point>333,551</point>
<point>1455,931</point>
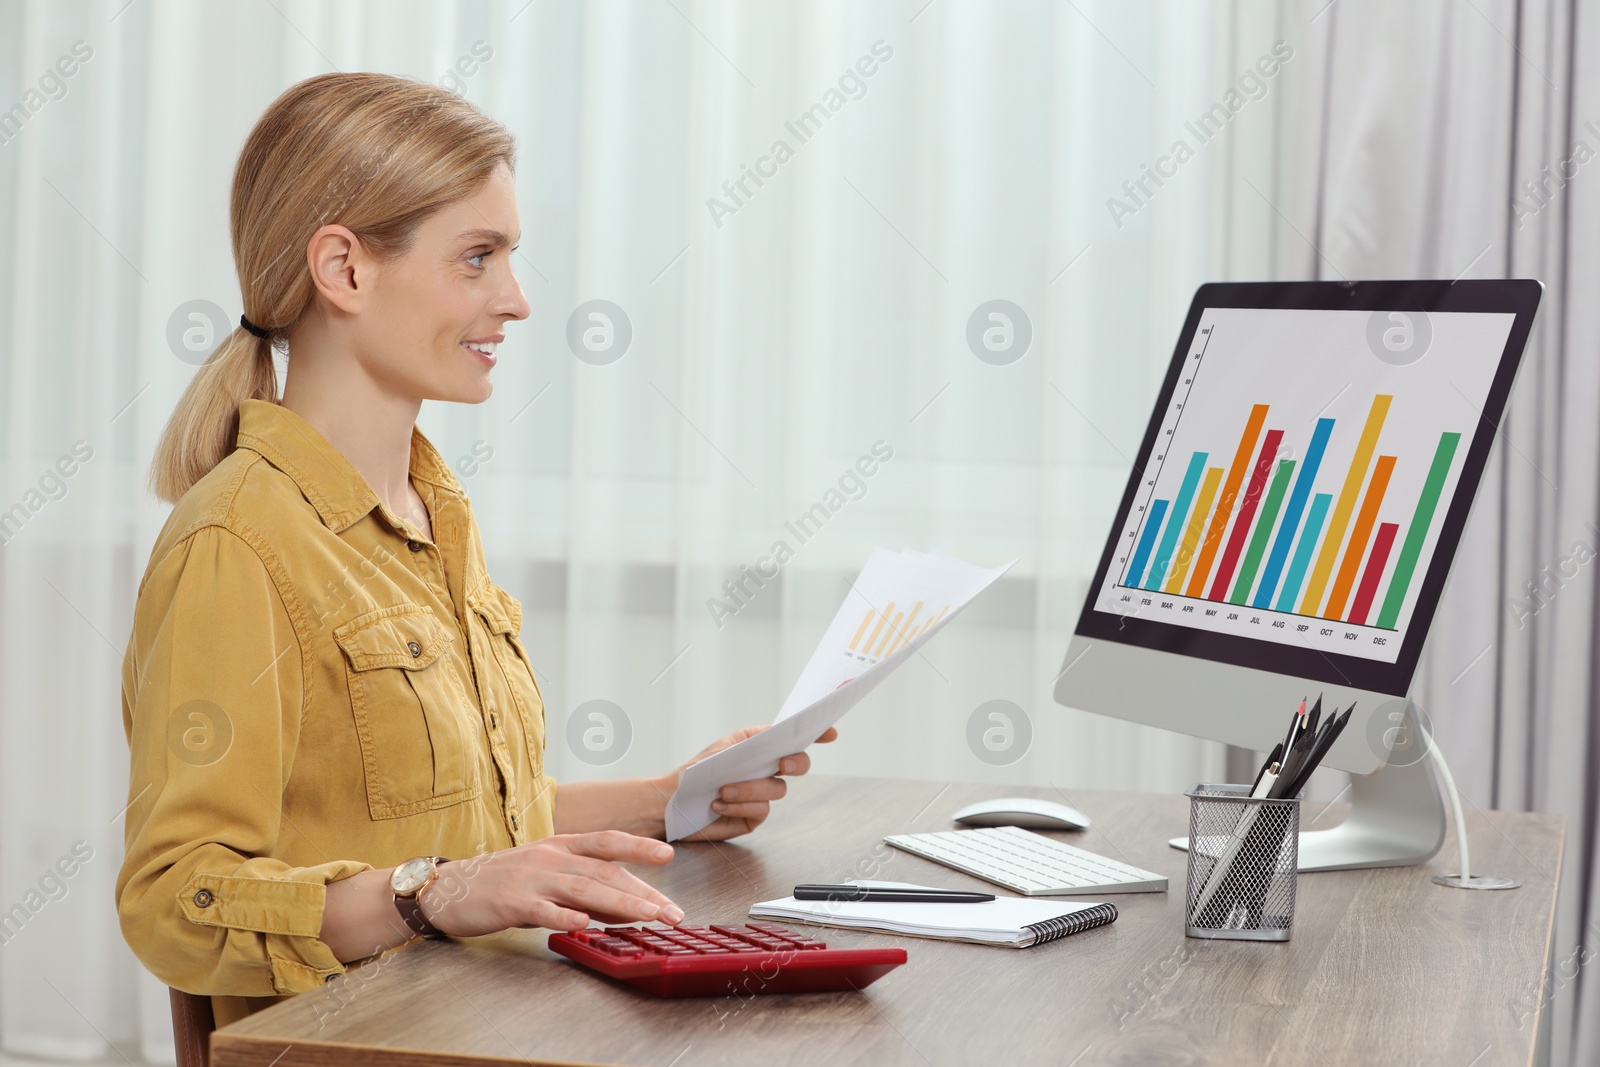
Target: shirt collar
<point>329,481</point>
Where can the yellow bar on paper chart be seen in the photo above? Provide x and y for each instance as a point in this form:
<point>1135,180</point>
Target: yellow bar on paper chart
<point>894,628</point>
<point>1333,540</point>
<point>865,621</point>
<point>1191,533</point>
<point>929,624</point>
<point>878,629</point>
<point>905,631</point>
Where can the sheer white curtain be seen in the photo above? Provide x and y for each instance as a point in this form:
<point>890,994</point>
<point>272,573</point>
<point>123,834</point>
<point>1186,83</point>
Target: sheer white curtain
<point>938,156</point>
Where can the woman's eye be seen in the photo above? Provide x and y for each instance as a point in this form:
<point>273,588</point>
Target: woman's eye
<point>477,255</point>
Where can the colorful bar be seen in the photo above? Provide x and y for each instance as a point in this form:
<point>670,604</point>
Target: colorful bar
<point>1347,503</point>
<point>1417,532</point>
<point>878,629</point>
<point>1374,571</point>
<point>1230,494</point>
<point>1291,517</point>
<point>1302,555</point>
<point>905,630</point>
<point>866,620</point>
<point>1247,513</point>
<point>1258,543</point>
<point>894,628</point>
<point>1147,541</point>
<point>930,622</point>
<point>1169,541</point>
<point>1346,579</point>
<point>1191,533</point>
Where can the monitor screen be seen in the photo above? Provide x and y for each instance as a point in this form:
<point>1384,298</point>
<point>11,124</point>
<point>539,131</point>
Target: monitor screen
<point>1306,474</point>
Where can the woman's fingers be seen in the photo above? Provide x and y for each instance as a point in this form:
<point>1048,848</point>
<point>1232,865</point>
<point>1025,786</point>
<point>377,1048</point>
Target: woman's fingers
<point>610,876</point>
<point>766,789</point>
<point>728,827</point>
<point>796,763</point>
<point>742,806</point>
<point>581,869</point>
<point>593,895</point>
<point>540,911</point>
<point>742,734</point>
<point>748,810</point>
<point>615,845</point>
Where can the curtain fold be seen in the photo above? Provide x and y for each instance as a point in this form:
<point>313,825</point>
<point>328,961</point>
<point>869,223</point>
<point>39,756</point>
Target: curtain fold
<point>1453,142</point>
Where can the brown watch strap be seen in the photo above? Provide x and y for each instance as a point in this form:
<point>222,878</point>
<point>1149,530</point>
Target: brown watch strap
<point>410,908</point>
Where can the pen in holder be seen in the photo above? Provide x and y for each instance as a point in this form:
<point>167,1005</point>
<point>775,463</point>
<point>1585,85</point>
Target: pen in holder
<point>1244,856</point>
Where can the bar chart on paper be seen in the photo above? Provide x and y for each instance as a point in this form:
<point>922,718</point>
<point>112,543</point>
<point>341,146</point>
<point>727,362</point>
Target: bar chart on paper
<point>881,633</point>
<point>1296,493</point>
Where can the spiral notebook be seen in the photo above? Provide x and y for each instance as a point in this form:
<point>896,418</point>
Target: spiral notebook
<point>1014,921</point>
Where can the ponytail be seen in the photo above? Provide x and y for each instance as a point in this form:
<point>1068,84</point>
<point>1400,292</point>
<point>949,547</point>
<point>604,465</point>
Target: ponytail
<point>375,153</point>
<point>205,424</point>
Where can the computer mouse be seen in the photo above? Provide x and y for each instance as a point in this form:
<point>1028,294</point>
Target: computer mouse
<point>1022,811</point>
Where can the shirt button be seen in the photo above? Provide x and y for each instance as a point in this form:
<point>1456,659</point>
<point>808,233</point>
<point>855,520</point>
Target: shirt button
<point>416,649</point>
<point>203,898</point>
<point>493,722</point>
<point>415,546</point>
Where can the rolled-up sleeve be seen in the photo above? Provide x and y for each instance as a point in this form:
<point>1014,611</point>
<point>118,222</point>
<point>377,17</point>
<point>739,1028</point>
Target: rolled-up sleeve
<point>213,692</point>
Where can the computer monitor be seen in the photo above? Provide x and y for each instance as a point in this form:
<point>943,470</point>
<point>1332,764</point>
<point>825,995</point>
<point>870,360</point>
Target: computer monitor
<point>1289,524</point>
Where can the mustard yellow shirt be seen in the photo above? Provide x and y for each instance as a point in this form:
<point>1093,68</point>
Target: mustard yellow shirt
<point>312,689</point>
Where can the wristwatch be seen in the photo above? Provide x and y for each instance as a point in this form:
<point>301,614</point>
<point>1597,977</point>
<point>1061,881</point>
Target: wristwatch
<point>408,881</point>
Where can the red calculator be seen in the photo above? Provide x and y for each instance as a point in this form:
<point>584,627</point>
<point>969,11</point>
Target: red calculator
<point>713,961</point>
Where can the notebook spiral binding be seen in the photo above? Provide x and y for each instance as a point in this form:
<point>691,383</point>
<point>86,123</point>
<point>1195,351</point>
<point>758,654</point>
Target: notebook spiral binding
<point>1087,919</point>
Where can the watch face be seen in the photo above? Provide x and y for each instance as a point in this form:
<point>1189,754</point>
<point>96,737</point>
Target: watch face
<point>411,875</point>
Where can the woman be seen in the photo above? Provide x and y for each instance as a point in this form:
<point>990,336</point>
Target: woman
<point>337,741</point>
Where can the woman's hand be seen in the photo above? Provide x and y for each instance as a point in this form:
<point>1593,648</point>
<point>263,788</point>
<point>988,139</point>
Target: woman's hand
<point>743,806</point>
<point>559,882</point>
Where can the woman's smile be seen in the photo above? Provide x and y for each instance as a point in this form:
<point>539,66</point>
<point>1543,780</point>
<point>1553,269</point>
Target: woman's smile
<point>484,347</point>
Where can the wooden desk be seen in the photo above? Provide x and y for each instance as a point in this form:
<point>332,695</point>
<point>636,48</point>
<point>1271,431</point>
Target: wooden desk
<point>1384,967</point>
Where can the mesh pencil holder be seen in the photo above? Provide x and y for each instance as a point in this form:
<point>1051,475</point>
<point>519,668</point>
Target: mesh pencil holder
<point>1244,858</point>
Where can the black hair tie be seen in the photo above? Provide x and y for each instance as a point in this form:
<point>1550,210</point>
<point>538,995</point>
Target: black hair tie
<point>253,328</point>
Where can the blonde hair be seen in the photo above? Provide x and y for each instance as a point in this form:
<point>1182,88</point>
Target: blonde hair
<point>373,152</point>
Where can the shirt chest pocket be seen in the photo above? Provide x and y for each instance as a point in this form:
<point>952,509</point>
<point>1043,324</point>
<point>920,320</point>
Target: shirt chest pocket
<point>410,711</point>
<point>501,616</point>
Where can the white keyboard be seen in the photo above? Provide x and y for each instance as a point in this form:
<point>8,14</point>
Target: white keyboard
<point>1028,863</point>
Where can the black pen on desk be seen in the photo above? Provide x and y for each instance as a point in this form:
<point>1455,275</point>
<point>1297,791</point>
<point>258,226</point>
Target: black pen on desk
<point>889,894</point>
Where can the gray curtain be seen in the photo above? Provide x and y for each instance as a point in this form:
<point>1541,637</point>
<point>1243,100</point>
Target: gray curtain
<point>1461,138</point>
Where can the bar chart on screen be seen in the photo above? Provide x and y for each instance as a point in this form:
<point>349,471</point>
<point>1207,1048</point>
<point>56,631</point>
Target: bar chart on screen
<point>1296,490</point>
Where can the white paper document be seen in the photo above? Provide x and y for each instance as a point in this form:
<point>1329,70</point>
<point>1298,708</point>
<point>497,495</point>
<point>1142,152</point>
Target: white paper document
<point>896,605</point>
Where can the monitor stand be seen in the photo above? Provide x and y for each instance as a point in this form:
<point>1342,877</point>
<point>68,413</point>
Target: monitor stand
<point>1397,817</point>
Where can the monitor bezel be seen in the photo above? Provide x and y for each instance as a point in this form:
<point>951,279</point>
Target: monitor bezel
<point>1519,297</point>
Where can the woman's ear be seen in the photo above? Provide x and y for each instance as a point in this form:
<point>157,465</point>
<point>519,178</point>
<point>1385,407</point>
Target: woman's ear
<point>340,267</point>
